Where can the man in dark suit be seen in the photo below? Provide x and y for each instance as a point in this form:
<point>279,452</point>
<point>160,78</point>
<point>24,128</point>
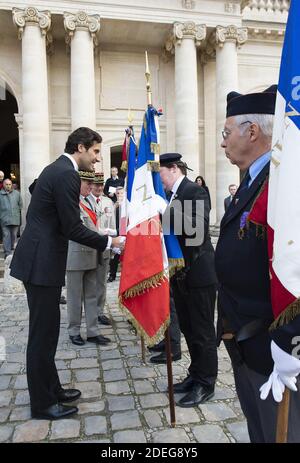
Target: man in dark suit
<point>39,261</point>
<point>232,190</point>
<point>194,288</point>
<point>112,183</point>
<point>242,264</point>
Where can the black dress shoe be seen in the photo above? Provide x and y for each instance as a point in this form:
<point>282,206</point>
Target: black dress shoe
<point>198,395</point>
<point>102,340</point>
<point>110,279</point>
<point>68,395</point>
<point>185,386</point>
<point>104,320</point>
<point>54,412</point>
<point>160,347</point>
<point>162,357</point>
<point>77,340</point>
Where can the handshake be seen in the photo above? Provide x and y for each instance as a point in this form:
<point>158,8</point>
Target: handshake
<point>118,244</point>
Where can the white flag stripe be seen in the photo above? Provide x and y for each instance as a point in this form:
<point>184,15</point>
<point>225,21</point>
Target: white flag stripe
<point>284,200</point>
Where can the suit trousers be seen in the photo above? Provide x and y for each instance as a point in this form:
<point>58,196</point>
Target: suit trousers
<point>102,271</point>
<point>113,265</point>
<point>195,312</point>
<point>44,323</point>
<point>81,289</point>
<point>261,415</point>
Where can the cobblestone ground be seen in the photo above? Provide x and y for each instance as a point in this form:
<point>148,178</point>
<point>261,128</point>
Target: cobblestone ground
<point>123,400</point>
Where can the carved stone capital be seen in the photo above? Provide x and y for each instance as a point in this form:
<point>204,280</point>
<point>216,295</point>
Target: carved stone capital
<point>81,21</point>
<point>22,17</point>
<point>231,33</point>
<point>188,4</point>
<point>187,30</point>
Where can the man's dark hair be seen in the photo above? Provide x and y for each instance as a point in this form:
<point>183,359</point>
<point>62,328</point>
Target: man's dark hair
<point>82,136</point>
<point>181,165</point>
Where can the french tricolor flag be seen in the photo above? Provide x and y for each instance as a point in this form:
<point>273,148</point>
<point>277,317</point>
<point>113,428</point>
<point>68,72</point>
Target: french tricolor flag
<point>144,283</point>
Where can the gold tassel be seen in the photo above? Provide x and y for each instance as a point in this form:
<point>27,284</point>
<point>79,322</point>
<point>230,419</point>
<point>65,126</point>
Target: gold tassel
<point>124,166</point>
<point>155,148</point>
<point>291,312</point>
<point>153,166</point>
<point>149,340</point>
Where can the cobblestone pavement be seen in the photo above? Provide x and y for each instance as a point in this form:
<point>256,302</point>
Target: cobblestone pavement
<point>123,400</point>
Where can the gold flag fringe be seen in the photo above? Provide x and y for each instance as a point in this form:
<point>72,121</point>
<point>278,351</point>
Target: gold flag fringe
<point>287,315</point>
<point>175,265</point>
<point>151,282</point>
<point>149,340</point>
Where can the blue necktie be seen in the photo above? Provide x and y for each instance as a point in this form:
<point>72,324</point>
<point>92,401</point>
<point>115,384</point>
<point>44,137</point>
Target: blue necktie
<point>169,195</point>
<point>245,184</point>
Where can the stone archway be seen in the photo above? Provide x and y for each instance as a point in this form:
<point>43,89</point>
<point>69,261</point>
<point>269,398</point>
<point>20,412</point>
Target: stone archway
<point>116,158</point>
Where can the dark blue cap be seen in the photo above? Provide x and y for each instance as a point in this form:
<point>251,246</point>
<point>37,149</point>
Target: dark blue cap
<point>168,158</point>
<point>252,103</point>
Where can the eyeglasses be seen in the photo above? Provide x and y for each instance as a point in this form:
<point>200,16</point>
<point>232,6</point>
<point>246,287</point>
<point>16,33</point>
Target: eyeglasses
<point>226,132</point>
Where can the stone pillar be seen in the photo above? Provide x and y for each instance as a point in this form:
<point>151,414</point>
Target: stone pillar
<point>209,75</point>
<point>227,39</point>
<point>81,35</point>
<point>33,26</point>
<point>185,38</point>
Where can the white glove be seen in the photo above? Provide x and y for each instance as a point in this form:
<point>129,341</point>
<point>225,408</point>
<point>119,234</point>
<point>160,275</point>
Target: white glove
<point>285,372</point>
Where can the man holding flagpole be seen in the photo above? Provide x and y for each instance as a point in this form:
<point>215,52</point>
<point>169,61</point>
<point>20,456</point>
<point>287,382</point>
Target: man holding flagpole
<point>194,287</point>
<point>257,256</point>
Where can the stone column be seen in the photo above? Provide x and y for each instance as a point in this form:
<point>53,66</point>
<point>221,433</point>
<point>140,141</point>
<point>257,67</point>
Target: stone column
<point>81,35</point>
<point>185,38</point>
<point>209,76</point>
<point>33,26</point>
<point>227,39</point>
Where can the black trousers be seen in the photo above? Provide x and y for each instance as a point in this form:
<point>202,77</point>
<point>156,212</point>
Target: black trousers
<point>195,312</point>
<point>44,324</point>
<point>113,265</point>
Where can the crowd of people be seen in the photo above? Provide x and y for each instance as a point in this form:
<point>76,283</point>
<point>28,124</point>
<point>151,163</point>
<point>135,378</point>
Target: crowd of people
<point>71,229</point>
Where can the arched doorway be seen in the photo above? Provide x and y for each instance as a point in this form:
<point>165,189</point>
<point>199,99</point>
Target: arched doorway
<point>9,140</point>
<point>116,159</point>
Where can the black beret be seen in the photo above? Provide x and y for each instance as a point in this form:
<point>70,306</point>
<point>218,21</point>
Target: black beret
<point>252,103</point>
<point>168,158</point>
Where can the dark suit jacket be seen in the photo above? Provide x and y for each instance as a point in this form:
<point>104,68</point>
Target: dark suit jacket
<point>227,202</point>
<point>53,218</point>
<point>199,260</point>
<point>242,267</point>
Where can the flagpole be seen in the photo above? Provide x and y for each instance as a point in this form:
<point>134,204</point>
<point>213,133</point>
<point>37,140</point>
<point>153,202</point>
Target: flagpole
<point>152,165</point>
<point>283,418</point>
<point>170,378</point>
<point>148,85</point>
<point>143,350</point>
